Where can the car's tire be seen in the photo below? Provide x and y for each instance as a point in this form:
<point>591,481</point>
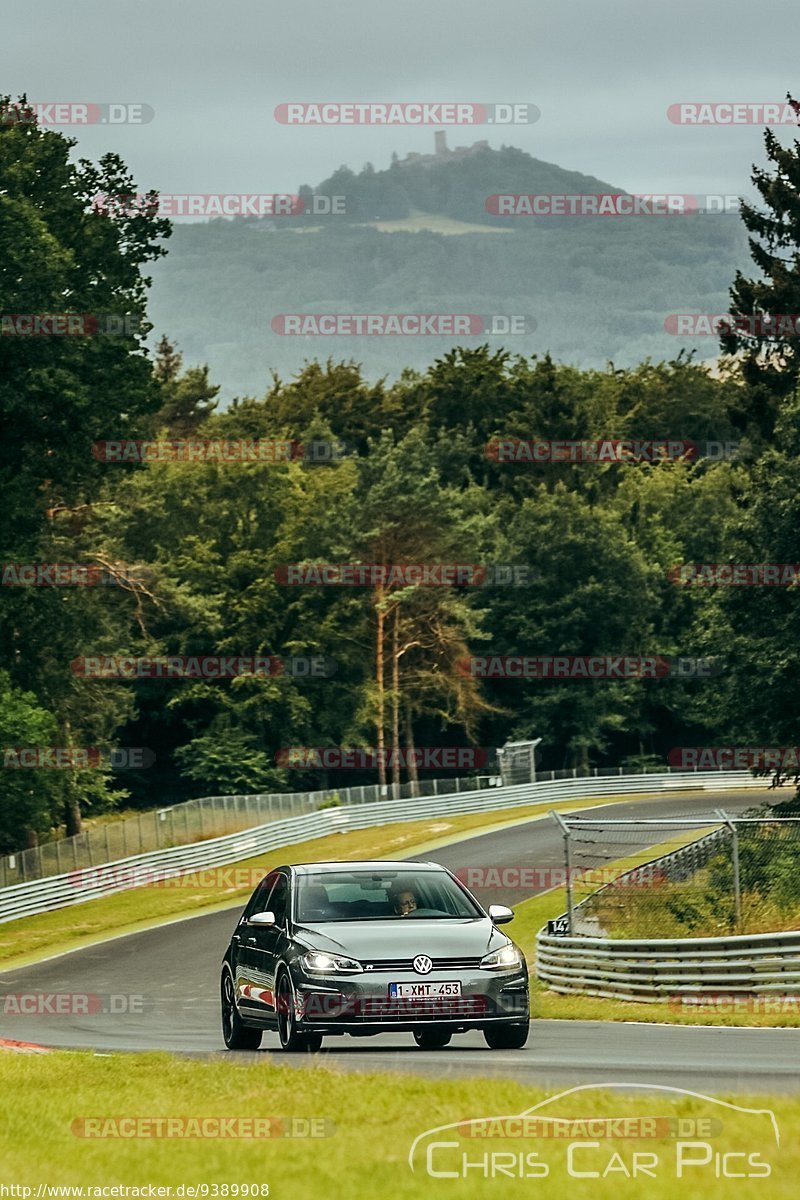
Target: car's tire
<point>507,1037</point>
<point>235,1034</point>
<point>433,1039</point>
<point>290,1038</point>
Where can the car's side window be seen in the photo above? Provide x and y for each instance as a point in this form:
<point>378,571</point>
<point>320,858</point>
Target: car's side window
<point>279,900</point>
<point>258,901</point>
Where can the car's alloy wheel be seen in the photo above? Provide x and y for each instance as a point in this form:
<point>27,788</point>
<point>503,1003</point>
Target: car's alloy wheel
<point>432,1039</point>
<point>507,1037</point>
<point>288,1033</point>
<point>236,1035</point>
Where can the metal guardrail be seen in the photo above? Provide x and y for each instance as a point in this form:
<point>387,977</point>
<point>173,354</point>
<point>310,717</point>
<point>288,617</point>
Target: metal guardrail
<point>76,887</point>
<point>653,969</point>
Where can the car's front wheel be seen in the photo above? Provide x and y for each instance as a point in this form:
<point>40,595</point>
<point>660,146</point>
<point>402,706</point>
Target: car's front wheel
<point>432,1039</point>
<point>236,1035</point>
<point>290,1037</point>
<point>507,1037</point>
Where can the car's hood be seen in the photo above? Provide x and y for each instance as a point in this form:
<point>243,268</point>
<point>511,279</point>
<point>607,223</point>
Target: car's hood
<point>404,938</point>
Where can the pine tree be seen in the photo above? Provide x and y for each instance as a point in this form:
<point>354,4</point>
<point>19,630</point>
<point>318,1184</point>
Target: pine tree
<point>769,349</point>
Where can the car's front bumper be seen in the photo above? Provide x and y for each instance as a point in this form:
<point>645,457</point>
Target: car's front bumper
<point>362,1003</point>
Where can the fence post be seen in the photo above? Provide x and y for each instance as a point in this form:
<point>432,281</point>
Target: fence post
<point>737,889</point>
<point>567,863</point>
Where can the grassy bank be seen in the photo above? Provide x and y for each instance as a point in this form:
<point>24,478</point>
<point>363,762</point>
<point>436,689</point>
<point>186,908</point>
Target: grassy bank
<point>370,1123</point>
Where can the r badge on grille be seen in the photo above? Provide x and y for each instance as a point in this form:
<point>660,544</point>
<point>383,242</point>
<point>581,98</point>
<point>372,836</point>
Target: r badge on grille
<point>422,964</point>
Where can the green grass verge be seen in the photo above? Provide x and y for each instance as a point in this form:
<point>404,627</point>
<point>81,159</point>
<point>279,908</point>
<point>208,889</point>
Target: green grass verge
<point>374,1119</point>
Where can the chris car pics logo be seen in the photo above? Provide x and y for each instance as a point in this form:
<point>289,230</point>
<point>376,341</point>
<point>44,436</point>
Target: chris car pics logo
<point>698,1140</point>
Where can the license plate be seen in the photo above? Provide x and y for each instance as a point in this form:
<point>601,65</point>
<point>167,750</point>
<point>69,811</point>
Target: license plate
<point>421,991</point>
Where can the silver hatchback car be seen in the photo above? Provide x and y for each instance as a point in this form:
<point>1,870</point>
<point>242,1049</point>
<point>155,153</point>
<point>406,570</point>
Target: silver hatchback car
<point>368,947</point>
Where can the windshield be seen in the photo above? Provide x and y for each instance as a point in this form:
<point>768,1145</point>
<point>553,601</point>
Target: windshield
<point>333,896</point>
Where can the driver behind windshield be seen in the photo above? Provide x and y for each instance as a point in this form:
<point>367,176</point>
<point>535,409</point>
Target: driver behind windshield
<point>405,901</point>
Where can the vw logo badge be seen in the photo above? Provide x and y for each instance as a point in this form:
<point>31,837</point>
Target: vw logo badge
<point>422,964</point>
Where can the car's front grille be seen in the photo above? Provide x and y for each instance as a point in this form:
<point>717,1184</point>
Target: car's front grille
<point>442,1008</point>
<point>333,1006</point>
<point>407,964</point>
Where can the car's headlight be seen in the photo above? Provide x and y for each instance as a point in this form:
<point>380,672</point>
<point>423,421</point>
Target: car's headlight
<point>318,963</point>
<point>505,959</point>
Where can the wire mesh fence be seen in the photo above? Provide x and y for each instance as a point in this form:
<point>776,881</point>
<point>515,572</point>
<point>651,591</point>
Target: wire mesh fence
<point>680,878</point>
<point>201,819</point>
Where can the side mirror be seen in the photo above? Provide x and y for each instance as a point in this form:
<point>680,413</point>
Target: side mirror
<point>499,914</point>
<point>262,918</point>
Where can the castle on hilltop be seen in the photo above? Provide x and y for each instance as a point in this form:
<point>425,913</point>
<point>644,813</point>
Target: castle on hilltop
<point>441,152</point>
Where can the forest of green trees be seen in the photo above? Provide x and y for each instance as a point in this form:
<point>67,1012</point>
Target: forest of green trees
<point>195,549</point>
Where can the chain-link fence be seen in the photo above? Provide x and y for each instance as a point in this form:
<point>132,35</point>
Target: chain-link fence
<point>201,819</point>
<point>681,878</point>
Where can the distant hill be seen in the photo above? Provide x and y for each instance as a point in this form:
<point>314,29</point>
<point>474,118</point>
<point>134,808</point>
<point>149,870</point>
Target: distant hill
<point>452,183</point>
<point>598,288</point>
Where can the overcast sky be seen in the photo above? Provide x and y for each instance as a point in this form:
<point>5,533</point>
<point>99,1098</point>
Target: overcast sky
<point>602,74</point>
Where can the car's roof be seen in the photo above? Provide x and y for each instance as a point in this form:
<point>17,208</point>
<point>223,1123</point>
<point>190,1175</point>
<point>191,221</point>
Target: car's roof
<point>377,864</point>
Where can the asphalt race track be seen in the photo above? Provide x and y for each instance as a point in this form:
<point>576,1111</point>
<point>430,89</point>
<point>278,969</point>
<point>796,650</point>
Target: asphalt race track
<point>175,969</point>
